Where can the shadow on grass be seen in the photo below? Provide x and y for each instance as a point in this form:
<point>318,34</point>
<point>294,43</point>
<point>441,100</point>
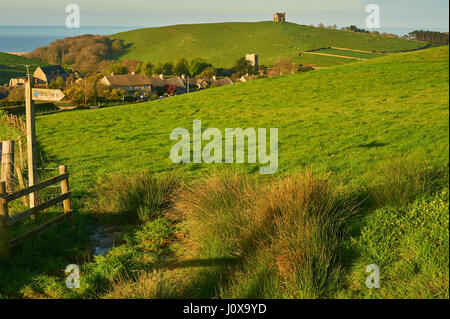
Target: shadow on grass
<point>373,144</point>
<point>42,259</point>
<point>208,279</point>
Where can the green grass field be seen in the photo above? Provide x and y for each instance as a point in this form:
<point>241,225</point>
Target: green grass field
<point>378,127</point>
<point>223,43</point>
<point>12,66</point>
<point>344,119</point>
<point>352,54</point>
<point>320,60</point>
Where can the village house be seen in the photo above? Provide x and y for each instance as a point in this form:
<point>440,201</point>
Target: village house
<point>17,81</point>
<point>246,78</point>
<point>45,74</point>
<point>129,83</point>
<point>178,83</point>
<point>204,83</point>
<point>221,81</point>
<point>161,84</point>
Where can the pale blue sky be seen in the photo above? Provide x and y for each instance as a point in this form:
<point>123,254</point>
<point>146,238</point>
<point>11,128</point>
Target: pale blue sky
<point>394,13</point>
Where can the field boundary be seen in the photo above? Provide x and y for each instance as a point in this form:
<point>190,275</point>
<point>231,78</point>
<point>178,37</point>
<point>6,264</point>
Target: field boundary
<point>6,221</point>
<point>354,50</point>
<point>335,56</point>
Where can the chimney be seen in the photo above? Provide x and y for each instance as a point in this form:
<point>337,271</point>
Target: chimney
<point>161,76</point>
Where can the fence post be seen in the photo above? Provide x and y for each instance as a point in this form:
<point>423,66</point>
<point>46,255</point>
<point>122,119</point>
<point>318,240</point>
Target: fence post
<point>31,141</point>
<point>8,163</point>
<point>65,189</point>
<point>21,184</point>
<point>5,253</point>
<point>22,163</point>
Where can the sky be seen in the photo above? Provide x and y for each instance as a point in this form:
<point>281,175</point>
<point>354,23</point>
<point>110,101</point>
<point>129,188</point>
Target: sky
<point>150,13</point>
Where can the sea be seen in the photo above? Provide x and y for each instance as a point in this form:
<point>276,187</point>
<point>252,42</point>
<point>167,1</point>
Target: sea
<point>28,38</point>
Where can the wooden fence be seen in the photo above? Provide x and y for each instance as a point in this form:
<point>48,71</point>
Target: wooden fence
<point>6,221</point>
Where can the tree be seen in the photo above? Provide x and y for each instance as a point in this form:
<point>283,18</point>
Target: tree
<point>168,68</point>
<point>93,87</point>
<point>117,69</point>
<point>283,66</point>
<point>434,38</point>
<point>83,53</point>
<point>263,69</point>
<point>75,94</point>
<point>181,67</point>
<point>197,65</point>
<point>131,65</point>
<point>17,93</point>
<point>117,46</point>
<point>146,68</point>
<point>209,72</point>
<point>243,66</point>
<point>164,68</point>
<point>57,83</point>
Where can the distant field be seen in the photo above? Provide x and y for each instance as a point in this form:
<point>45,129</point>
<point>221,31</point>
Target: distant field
<point>14,66</point>
<point>223,43</point>
<point>320,60</point>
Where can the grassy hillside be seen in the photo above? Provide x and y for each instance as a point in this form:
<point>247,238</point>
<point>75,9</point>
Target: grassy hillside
<point>344,119</point>
<point>379,128</point>
<point>223,43</point>
<point>14,66</point>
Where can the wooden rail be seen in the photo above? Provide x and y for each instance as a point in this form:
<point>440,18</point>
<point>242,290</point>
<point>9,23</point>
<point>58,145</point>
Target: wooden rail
<point>7,221</point>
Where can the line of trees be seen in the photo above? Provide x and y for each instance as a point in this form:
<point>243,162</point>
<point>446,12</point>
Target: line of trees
<point>193,67</point>
<point>432,37</point>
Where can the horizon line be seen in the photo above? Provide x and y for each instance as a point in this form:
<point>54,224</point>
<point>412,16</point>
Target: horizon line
<point>168,25</point>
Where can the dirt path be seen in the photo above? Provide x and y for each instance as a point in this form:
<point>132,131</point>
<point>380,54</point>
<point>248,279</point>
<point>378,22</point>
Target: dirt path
<point>345,49</point>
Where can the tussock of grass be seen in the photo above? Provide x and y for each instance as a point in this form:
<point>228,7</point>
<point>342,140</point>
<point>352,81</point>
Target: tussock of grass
<point>295,224</point>
<point>132,198</point>
<point>143,285</point>
<point>400,181</point>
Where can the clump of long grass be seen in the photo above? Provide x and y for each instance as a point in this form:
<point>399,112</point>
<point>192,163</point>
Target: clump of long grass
<point>308,224</point>
<point>400,181</point>
<point>142,285</point>
<point>295,223</point>
<point>135,197</point>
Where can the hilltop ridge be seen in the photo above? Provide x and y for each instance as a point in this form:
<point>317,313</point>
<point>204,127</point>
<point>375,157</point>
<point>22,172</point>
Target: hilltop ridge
<point>222,43</point>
